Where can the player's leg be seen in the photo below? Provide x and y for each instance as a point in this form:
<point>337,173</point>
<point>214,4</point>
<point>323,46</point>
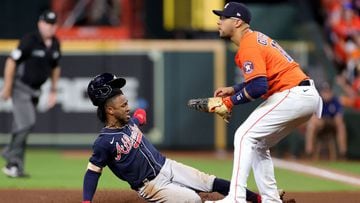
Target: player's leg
<point>271,127</point>
<point>312,129</point>
<point>242,161</point>
<point>265,182</point>
<point>193,178</point>
<point>23,121</point>
<point>164,189</point>
<point>261,123</point>
<point>169,192</point>
<point>341,135</point>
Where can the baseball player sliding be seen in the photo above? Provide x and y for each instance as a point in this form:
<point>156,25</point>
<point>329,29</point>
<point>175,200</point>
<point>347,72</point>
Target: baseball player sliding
<point>290,99</point>
<point>131,157</point>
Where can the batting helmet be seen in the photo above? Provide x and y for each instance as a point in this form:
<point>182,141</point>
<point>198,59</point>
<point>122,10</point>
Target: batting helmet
<point>104,86</point>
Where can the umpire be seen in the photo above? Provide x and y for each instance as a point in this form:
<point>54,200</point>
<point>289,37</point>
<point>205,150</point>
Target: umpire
<point>34,60</point>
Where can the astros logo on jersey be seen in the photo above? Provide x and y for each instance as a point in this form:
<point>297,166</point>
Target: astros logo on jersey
<point>248,67</point>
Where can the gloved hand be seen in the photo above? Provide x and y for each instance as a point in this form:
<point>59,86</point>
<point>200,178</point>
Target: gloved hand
<point>220,106</point>
<point>140,115</point>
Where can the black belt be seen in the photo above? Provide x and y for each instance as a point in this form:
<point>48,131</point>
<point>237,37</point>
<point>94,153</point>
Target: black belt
<point>304,83</point>
<point>140,185</point>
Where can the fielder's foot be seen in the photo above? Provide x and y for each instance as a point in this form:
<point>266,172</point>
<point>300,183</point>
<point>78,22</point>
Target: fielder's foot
<point>282,194</point>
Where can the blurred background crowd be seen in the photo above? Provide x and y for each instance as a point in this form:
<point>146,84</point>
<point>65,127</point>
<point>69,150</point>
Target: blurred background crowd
<point>342,28</point>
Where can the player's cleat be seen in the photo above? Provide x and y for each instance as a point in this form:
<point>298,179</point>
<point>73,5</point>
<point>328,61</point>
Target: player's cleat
<point>13,172</point>
<point>280,191</point>
<point>282,194</point>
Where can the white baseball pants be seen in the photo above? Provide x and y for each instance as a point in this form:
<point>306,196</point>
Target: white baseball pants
<point>267,125</point>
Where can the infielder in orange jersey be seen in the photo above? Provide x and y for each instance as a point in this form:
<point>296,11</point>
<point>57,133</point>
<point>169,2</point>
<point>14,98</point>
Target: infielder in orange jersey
<point>290,99</point>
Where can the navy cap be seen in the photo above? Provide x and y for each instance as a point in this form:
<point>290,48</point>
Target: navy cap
<point>49,17</point>
<point>237,10</point>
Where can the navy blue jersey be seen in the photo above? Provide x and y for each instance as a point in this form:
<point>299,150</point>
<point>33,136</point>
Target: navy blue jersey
<point>128,154</point>
<point>331,108</point>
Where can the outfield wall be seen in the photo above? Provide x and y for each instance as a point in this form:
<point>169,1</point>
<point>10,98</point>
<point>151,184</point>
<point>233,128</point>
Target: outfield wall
<point>162,76</point>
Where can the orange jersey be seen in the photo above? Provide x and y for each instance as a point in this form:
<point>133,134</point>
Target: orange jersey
<point>259,55</point>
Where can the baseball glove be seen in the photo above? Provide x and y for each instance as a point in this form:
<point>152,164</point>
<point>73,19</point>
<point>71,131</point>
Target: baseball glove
<point>218,105</point>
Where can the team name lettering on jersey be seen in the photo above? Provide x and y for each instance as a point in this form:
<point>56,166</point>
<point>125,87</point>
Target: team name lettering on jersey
<point>128,142</point>
<point>282,51</point>
<point>262,39</point>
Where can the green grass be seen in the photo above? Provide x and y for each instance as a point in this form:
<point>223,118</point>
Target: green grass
<point>291,181</point>
<point>298,182</point>
<point>51,169</point>
<point>346,166</point>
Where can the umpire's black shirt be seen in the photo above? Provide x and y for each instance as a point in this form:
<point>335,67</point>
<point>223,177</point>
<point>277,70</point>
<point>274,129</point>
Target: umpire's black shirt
<point>34,60</point>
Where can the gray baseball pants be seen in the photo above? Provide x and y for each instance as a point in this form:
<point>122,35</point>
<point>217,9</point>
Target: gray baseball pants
<point>24,100</point>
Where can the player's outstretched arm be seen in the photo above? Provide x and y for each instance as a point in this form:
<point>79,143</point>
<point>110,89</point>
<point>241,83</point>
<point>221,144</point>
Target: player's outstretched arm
<point>220,106</point>
<point>140,115</point>
<point>91,179</point>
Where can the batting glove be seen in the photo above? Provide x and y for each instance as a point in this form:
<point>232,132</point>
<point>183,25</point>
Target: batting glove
<point>140,115</point>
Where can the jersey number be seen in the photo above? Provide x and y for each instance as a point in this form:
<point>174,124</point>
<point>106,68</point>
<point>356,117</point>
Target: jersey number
<point>281,50</point>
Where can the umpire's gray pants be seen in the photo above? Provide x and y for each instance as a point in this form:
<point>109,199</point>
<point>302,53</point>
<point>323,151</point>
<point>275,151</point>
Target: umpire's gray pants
<point>24,100</point>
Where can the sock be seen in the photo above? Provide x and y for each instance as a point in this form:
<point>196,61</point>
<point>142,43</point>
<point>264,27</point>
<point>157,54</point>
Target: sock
<point>221,186</point>
<point>252,197</point>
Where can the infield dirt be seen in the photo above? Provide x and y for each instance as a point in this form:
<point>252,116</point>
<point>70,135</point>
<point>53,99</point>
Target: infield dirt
<point>128,196</point>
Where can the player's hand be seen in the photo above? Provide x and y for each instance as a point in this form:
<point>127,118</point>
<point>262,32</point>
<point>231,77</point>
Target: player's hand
<point>224,92</point>
<point>5,94</point>
<point>140,115</point>
<point>52,99</point>
<point>218,105</point>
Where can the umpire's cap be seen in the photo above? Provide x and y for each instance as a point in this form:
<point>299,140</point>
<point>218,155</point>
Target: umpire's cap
<point>49,17</point>
<point>237,10</point>
<point>104,86</point>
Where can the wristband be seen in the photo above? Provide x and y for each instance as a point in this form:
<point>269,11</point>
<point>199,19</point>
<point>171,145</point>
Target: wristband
<point>239,97</point>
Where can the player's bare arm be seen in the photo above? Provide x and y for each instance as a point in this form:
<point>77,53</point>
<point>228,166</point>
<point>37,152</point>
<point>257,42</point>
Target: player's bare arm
<point>224,91</point>
<point>9,74</point>
<point>55,75</point>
